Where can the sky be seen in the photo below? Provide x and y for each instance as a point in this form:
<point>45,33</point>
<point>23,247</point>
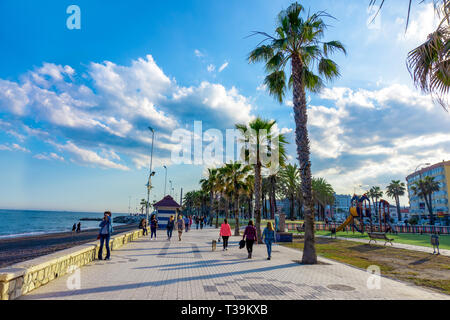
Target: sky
<point>76,104</point>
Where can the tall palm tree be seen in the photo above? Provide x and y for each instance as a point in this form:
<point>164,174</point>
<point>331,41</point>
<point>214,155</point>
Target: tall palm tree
<point>394,190</point>
<point>374,194</point>
<point>290,182</point>
<point>424,189</point>
<point>258,134</point>
<point>323,194</point>
<point>297,41</point>
<point>235,174</point>
<point>209,185</point>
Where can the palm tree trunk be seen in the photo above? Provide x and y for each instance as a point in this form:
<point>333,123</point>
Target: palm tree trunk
<point>399,214</point>
<point>302,142</point>
<point>236,215</point>
<point>258,197</point>
<point>430,208</point>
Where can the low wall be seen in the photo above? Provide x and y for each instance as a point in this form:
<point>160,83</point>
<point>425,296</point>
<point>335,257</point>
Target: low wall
<point>23,277</point>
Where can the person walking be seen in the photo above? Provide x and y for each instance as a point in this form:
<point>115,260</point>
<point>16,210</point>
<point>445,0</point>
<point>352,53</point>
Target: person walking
<point>190,222</point>
<point>153,226</point>
<point>143,226</point>
<point>74,227</point>
<point>202,219</point>
<point>180,226</point>
<point>225,233</point>
<point>250,238</point>
<point>79,227</point>
<point>105,232</point>
<point>197,222</point>
<point>170,226</point>
<point>269,237</point>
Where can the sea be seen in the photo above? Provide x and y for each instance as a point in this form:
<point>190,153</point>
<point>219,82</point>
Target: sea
<point>19,223</point>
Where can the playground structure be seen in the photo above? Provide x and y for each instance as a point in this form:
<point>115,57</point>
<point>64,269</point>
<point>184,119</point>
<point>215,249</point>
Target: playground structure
<point>384,217</point>
<point>360,209</point>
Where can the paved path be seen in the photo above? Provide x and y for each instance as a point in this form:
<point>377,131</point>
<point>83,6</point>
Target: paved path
<point>443,252</point>
<point>190,270</point>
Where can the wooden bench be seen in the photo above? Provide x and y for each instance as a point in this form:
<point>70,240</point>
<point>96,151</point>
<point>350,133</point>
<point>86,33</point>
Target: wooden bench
<point>379,235</point>
<point>300,229</point>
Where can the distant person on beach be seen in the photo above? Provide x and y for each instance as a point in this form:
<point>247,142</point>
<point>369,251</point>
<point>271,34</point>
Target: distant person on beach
<point>250,238</point>
<point>79,227</point>
<point>269,237</point>
<point>190,222</point>
<point>170,226</point>
<point>202,220</point>
<point>106,230</point>
<point>143,226</point>
<point>180,226</point>
<point>153,226</point>
<point>74,227</point>
<point>225,233</point>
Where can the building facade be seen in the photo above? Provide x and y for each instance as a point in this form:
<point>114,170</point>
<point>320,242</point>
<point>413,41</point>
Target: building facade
<point>441,173</point>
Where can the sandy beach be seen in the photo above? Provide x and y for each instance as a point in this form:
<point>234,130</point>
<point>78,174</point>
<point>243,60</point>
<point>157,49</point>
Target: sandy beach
<point>14,250</point>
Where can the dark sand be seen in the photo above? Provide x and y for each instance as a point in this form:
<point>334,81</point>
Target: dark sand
<point>14,250</point>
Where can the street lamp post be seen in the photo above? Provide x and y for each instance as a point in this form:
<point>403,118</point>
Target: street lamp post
<point>165,181</point>
<point>149,183</point>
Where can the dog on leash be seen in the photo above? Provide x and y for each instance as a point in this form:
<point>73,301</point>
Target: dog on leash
<point>214,245</point>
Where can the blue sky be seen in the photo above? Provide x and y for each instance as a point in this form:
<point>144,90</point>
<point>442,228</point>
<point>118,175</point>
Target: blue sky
<point>75,104</point>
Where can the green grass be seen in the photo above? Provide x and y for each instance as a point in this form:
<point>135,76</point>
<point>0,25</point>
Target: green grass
<point>405,238</point>
<point>417,267</point>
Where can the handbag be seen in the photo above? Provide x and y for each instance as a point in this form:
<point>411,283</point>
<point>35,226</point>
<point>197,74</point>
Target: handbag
<point>241,244</point>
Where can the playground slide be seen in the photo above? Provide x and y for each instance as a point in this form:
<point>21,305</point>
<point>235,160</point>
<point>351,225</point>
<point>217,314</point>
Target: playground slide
<point>353,214</point>
<point>345,223</point>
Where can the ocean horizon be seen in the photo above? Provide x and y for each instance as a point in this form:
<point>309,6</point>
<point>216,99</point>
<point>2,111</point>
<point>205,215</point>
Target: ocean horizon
<point>20,223</point>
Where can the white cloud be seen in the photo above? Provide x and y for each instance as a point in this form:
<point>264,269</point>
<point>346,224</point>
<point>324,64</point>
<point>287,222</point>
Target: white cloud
<point>89,157</point>
<point>111,106</point>
<point>422,22</point>
<point>48,156</point>
<point>198,53</point>
<point>223,66</point>
<point>372,137</point>
<point>261,87</point>
<point>210,68</point>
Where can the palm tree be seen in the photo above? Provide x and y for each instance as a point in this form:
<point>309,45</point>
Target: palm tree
<point>143,205</point>
<point>374,194</point>
<point>394,190</point>
<point>323,194</point>
<point>429,63</point>
<point>424,189</point>
<point>209,185</point>
<point>235,174</point>
<point>290,182</point>
<point>250,182</point>
<point>259,134</point>
<point>298,40</point>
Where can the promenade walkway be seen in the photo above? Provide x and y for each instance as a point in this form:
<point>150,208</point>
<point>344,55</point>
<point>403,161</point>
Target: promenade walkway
<point>190,270</point>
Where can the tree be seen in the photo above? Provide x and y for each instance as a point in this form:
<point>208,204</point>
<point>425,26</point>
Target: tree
<point>394,190</point>
<point>290,182</point>
<point>235,174</point>
<point>429,63</point>
<point>298,40</point>
<point>209,185</point>
<point>424,188</point>
<point>258,135</point>
<point>323,194</point>
<point>143,205</point>
<point>374,194</point>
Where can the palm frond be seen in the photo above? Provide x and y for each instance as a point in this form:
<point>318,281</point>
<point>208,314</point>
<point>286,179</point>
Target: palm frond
<point>276,83</point>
